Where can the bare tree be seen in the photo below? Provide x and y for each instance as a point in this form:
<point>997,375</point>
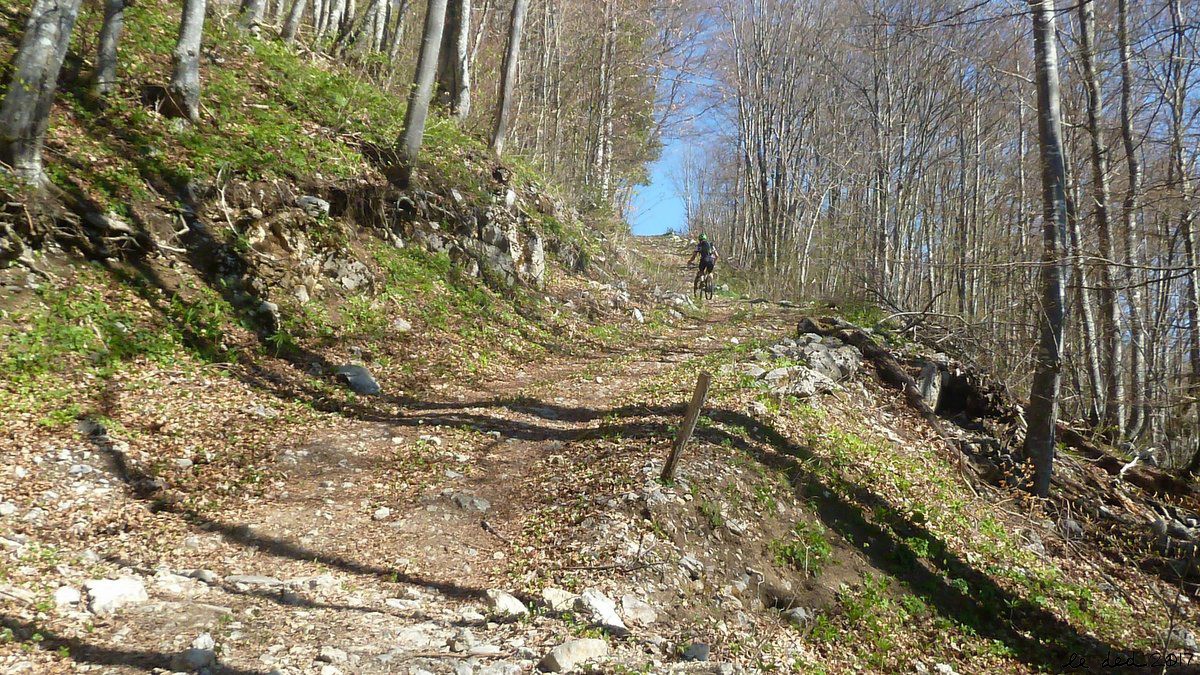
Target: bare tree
<point>454,67</point>
<point>25,112</point>
<point>292,24</point>
<point>1110,315</point>
<point>105,79</point>
<point>185,76</point>
<point>1042,413</point>
<point>422,91</point>
<point>508,83</point>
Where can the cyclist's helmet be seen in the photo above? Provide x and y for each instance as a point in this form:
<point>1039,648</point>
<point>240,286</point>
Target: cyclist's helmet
<point>703,237</point>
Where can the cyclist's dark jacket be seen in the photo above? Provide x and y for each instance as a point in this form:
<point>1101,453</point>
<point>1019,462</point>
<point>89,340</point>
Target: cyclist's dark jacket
<point>708,256</point>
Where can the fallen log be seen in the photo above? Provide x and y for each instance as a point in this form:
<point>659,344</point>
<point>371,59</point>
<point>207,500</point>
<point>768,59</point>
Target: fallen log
<point>990,399</point>
<point>888,368</point>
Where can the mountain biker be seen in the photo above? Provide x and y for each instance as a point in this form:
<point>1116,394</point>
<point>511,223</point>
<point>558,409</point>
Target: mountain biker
<point>708,259</point>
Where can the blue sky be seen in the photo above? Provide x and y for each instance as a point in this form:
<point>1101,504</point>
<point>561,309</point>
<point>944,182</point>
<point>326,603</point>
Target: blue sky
<point>656,208</point>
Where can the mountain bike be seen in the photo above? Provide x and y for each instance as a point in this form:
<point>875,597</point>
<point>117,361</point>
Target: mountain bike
<point>706,286</point>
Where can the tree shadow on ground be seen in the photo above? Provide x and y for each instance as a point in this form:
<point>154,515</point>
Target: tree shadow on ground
<point>953,588</point>
<point>97,655</point>
<point>148,489</point>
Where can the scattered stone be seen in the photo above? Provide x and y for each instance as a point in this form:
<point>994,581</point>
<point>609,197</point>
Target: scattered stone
<point>504,605</point>
<point>80,470</point>
<point>691,567</point>
<point>332,655</point>
<point>601,610</point>
<point>359,380</point>
<point>637,612</point>
<point>106,596</point>
<point>638,316</point>
<point>484,650</point>
<point>382,513</point>
<point>196,658</point>
<point>21,595</point>
<point>314,206</point>
<point>1182,638</point>
<point>66,596</point>
<point>799,616</point>
<point>401,325</point>
<point>272,318</point>
<point>468,502</point>
<point>753,370</point>
<point>559,600</point>
<point>697,651</point>
<point>7,509</point>
<point>207,576</point>
<point>570,654</point>
<point>463,640</point>
<point>1070,528</point>
<point>35,515</point>
<point>944,669</point>
<point>501,668</point>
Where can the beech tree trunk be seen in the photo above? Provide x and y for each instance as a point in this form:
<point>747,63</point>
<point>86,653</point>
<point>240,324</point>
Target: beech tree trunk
<point>291,25</point>
<point>398,30</point>
<point>185,77</point>
<point>454,76</point>
<point>1042,413</point>
<point>252,13</point>
<point>105,79</point>
<point>25,112</point>
<point>1138,417</point>
<point>508,82</point>
<point>422,91</point>
<point>1110,317</point>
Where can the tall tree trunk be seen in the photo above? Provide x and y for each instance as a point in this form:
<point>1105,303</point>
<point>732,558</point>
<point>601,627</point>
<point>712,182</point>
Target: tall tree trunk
<point>508,82</point>
<point>1087,321</point>
<point>185,76</point>
<point>105,79</point>
<point>25,112</point>
<point>1110,317</point>
<point>291,26</point>
<point>1178,98</point>
<point>252,13</point>
<point>1130,206</point>
<point>422,91</point>
<point>1042,413</point>
<point>454,72</point>
<point>398,31</point>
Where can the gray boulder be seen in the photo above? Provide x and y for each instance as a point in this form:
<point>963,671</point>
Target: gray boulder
<point>568,655</point>
<point>313,206</point>
<point>359,379</point>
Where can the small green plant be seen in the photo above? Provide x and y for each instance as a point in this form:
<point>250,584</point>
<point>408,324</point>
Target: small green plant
<point>712,513</point>
<point>808,549</point>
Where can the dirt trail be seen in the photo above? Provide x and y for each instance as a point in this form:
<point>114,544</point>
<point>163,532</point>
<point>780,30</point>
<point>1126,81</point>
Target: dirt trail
<point>388,531</point>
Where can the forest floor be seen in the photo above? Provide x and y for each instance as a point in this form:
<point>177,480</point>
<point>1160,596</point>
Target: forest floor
<point>829,535</point>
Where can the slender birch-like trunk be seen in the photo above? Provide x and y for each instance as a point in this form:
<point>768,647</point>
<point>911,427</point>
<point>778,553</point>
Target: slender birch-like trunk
<point>516,26</point>
<point>1042,413</point>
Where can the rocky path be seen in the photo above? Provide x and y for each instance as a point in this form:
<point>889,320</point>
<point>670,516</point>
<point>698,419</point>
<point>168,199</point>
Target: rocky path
<point>396,543</point>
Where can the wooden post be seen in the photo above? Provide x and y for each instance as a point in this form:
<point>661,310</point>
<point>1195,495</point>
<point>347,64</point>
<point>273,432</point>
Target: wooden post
<point>689,425</point>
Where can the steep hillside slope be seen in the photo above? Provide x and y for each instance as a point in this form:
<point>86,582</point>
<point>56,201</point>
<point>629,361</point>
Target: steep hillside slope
<point>265,413</point>
<point>817,524</point>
